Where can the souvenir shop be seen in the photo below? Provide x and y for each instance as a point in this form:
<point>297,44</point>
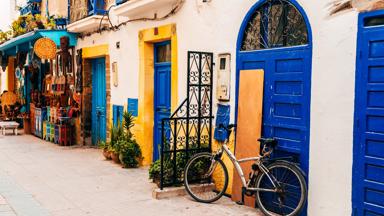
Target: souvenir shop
<point>41,75</point>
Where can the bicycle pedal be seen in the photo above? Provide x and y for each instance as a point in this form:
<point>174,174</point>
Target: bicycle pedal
<point>239,203</point>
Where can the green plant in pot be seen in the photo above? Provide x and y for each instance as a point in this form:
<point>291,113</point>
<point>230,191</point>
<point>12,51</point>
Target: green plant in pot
<point>105,147</point>
<point>130,153</point>
<point>155,171</point>
<point>117,135</point>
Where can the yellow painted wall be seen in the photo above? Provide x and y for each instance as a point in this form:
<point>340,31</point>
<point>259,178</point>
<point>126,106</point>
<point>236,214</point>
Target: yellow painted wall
<point>145,120</point>
<point>96,51</point>
<point>227,161</point>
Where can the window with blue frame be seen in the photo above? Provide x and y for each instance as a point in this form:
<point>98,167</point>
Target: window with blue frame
<point>96,7</point>
<point>78,10</point>
<point>118,112</point>
<point>277,23</point>
<point>133,106</point>
<point>32,7</point>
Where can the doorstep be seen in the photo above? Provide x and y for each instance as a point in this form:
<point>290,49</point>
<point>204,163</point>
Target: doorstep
<point>169,192</point>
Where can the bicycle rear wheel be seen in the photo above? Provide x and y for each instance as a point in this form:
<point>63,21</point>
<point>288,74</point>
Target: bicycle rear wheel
<point>291,194</point>
<point>205,178</point>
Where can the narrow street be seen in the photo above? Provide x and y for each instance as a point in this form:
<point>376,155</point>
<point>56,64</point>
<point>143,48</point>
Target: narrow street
<point>39,178</point>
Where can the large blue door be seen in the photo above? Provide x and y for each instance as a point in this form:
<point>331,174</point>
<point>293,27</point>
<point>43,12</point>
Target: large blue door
<point>368,163</point>
<point>162,94</point>
<point>98,101</point>
<point>286,97</point>
<point>271,40</point>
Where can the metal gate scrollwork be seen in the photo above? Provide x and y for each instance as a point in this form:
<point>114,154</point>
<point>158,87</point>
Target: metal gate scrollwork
<point>189,129</point>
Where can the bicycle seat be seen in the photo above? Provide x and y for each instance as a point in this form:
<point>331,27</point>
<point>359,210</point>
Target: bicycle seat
<point>270,142</point>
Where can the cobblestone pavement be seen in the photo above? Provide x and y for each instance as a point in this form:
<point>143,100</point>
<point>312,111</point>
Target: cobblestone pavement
<point>39,178</point>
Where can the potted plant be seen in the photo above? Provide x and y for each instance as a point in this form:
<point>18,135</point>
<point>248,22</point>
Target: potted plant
<point>105,147</point>
<point>117,134</point>
<point>155,171</point>
<point>130,153</point>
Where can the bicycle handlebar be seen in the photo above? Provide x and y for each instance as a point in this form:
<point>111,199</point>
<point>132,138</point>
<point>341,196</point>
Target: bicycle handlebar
<point>228,128</point>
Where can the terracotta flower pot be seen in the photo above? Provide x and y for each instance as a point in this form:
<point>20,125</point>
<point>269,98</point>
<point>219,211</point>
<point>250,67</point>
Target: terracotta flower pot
<point>107,154</point>
<point>115,157</point>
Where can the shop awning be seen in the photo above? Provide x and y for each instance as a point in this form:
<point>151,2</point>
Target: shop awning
<point>25,42</point>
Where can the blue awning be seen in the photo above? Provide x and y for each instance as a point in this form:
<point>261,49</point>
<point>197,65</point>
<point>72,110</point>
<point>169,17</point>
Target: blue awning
<point>26,41</point>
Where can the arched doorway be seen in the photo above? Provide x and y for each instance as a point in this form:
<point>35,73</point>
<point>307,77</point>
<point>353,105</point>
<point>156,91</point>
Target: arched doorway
<point>275,36</point>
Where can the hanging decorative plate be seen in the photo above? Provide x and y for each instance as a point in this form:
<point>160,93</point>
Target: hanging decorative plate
<point>45,48</point>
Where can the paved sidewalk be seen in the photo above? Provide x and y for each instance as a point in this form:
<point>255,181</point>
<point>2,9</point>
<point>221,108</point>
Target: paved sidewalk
<point>5,208</point>
<point>46,179</point>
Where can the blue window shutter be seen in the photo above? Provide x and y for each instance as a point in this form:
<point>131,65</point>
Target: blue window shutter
<point>118,114</point>
<point>114,115</point>
<point>222,117</point>
<point>133,104</point>
<point>121,112</point>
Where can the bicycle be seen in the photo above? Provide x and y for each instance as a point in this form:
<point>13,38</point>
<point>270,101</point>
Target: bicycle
<point>278,185</point>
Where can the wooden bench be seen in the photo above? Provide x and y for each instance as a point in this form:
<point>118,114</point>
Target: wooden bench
<point>9,125</point>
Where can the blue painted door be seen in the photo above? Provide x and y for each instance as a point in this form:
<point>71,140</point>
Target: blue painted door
<point>368,164</point>
<point>286,106</point>
<point>98,101</point>
<point>162,94</point>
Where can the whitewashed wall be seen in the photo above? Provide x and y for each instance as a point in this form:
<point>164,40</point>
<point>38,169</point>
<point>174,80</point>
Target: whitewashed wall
<point>214,27</point>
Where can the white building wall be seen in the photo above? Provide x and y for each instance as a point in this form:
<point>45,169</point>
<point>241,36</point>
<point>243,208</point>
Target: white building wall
<point>214,27</point>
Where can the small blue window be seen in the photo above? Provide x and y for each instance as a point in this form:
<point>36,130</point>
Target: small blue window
<point>133,106</point>
<point>118,115</point>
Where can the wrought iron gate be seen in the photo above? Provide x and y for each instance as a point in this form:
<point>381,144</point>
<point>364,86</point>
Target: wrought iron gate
<point>189,129</point>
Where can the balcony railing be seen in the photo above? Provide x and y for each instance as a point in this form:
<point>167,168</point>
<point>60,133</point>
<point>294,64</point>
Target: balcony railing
<point>135,8</point>
<point>33,7</point>
<point>80,9</point>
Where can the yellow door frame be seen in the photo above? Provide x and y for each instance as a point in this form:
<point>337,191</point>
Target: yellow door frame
<point>145,120</point>
<point>100,51</point>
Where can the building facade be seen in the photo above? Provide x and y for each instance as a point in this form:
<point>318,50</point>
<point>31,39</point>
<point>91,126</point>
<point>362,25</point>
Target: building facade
<point>322,77</point>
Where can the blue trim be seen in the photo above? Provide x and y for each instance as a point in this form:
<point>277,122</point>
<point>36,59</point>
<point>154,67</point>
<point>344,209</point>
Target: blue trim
<point>96,7</point>
<point>276,51</point>
<point>161,98</point>
<point>133,106</point>
<point>222,117</point>
<point>358,169</point>
<point>99,103</point>
<point>118,112</point>
<point>243,26</point>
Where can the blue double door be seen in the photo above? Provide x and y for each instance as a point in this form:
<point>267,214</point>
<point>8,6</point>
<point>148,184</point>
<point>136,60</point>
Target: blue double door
<point>368,163</point>
<point>162,92</point>
<point>286,100</point>
<point>98,114</point>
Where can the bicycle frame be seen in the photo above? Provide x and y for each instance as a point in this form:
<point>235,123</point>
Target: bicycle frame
<point>240,171</point>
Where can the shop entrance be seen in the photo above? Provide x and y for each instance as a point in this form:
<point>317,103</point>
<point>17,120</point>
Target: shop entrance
<point>162,91</point>
<point>98,101</point>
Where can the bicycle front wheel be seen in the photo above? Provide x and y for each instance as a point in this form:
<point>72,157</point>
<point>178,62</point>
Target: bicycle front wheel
<point>205,178</point>
<point>291,190</point>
